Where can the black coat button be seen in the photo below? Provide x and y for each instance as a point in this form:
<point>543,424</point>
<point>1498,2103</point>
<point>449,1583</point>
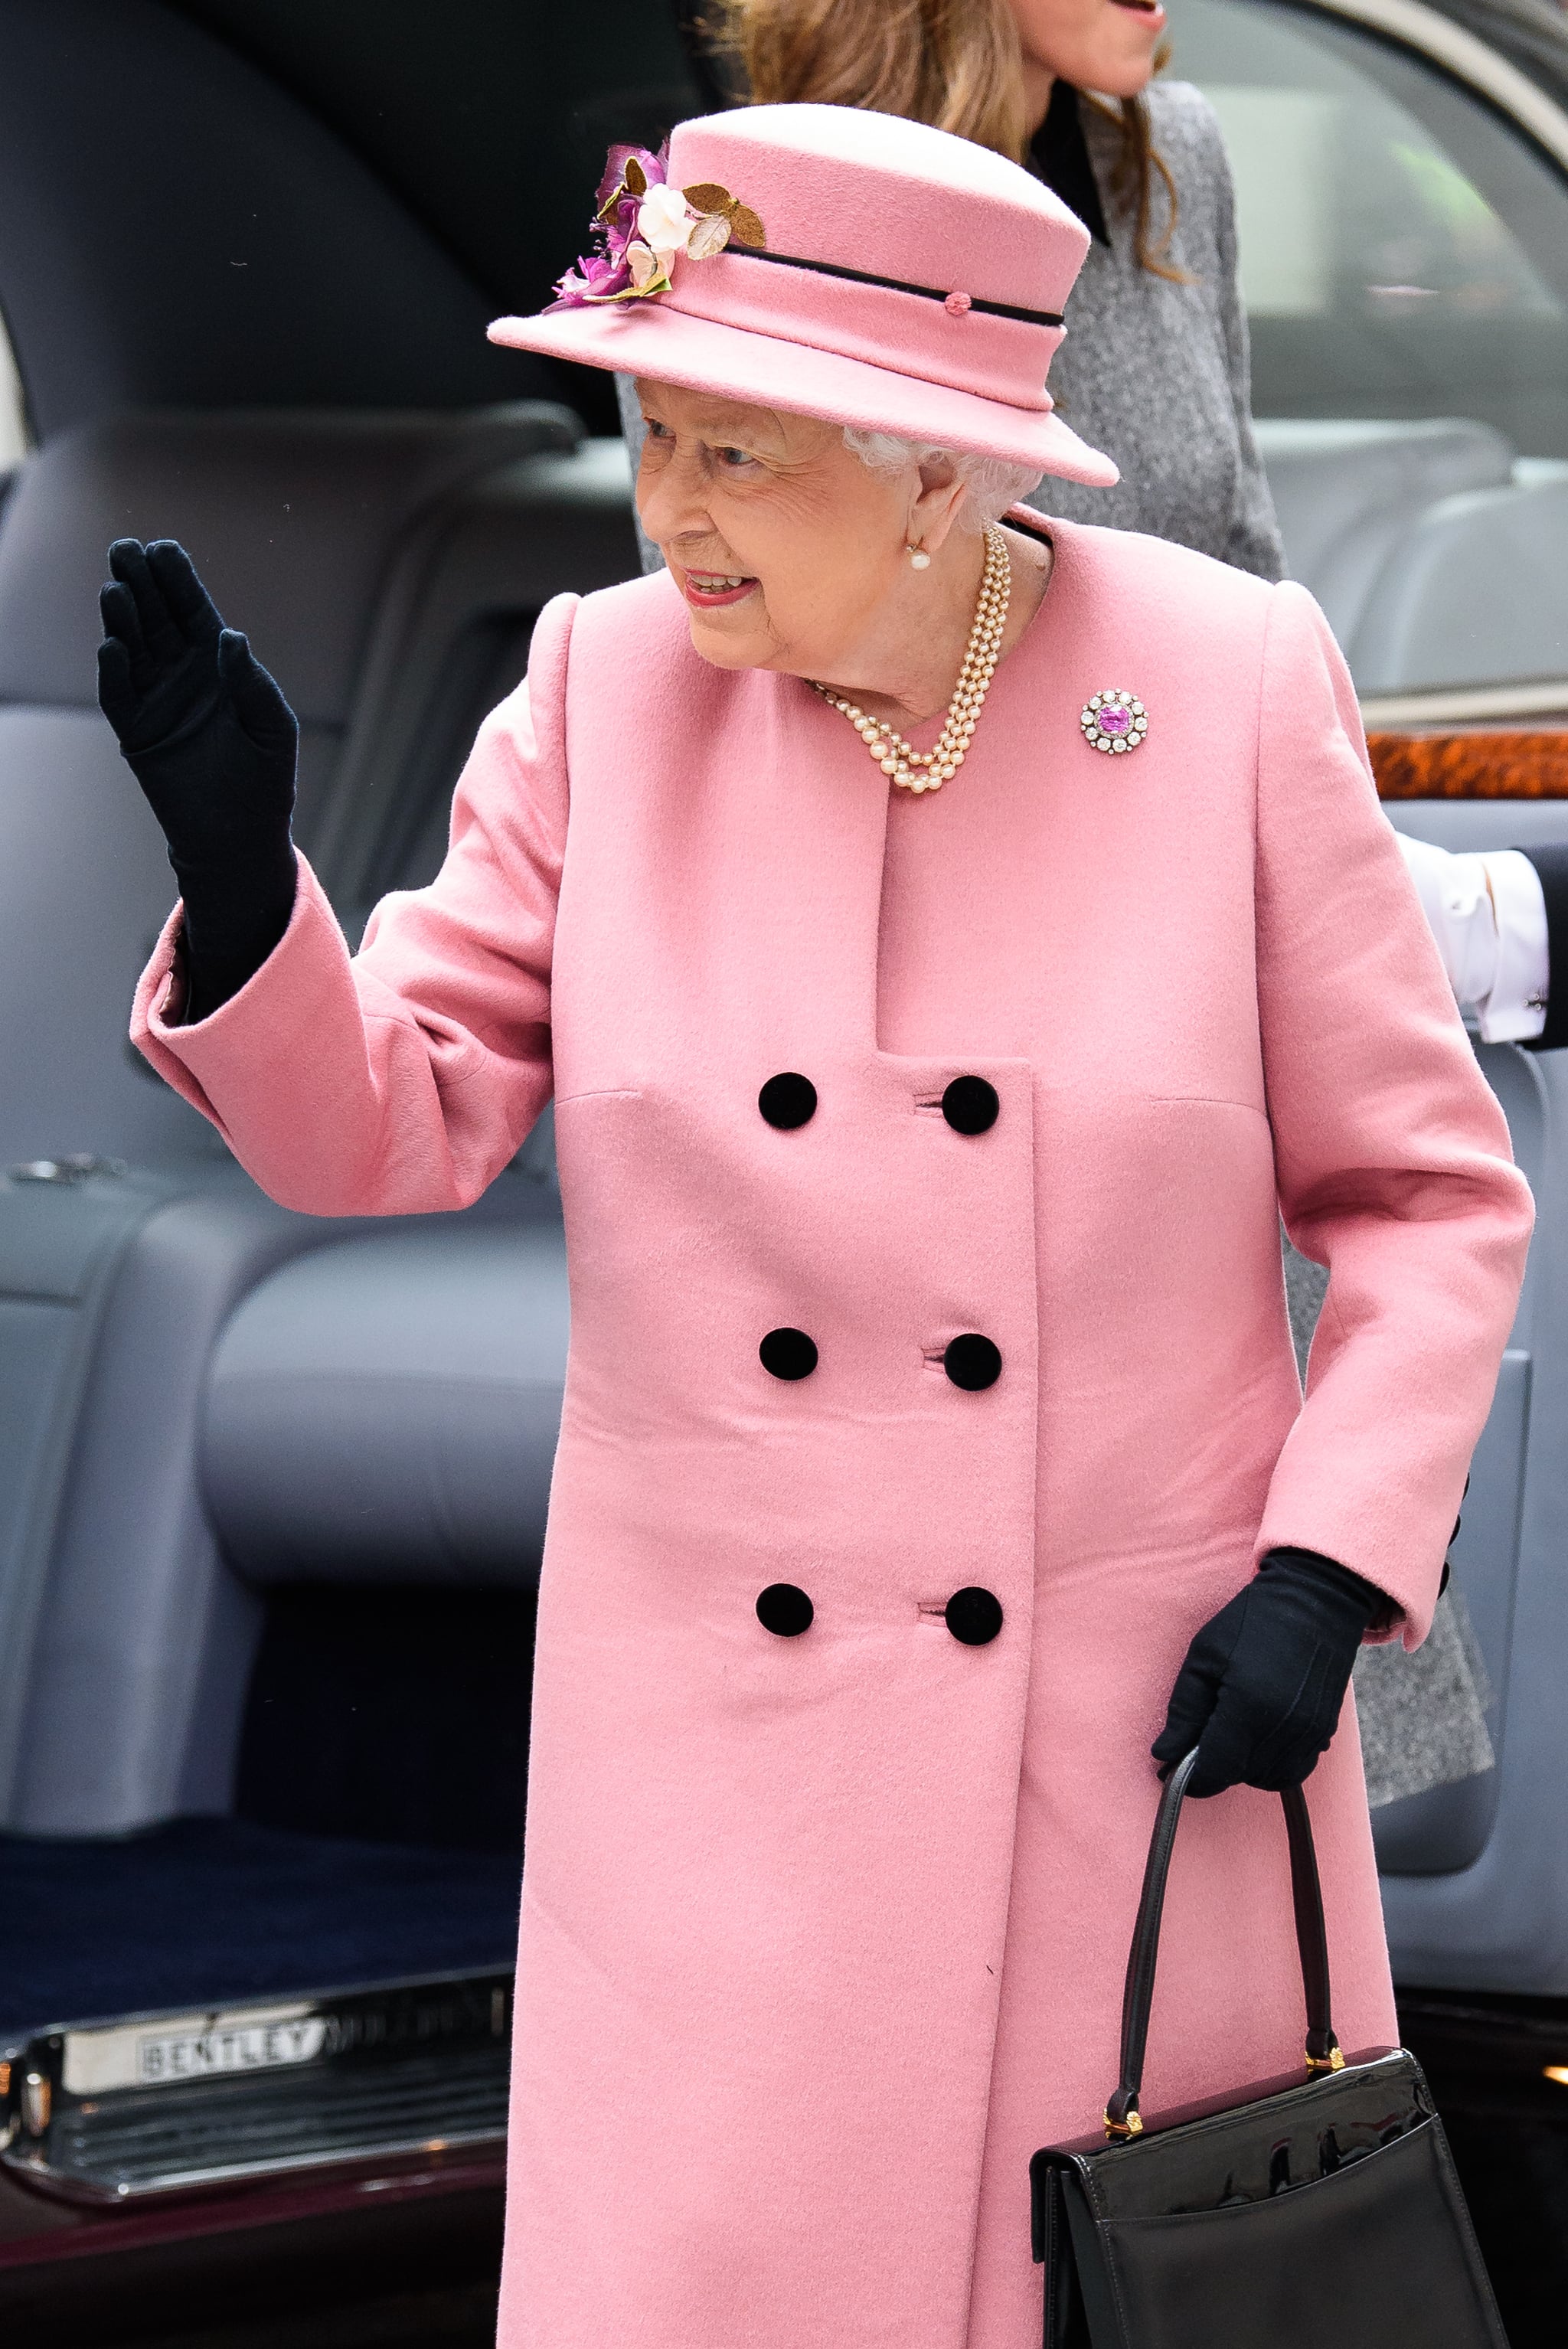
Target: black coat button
<point>787,1613</point>
<point>970,1105</point>
<point>791,1354</point>
<point>973,1616</point>
<point>971,1361</point>
<point>787,1100</point>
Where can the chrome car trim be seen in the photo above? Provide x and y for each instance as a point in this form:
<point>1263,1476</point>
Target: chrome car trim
<point>1466,56</point>
<point>173,2102</point>
<point>63,2186</point>
<point>1464,704</point>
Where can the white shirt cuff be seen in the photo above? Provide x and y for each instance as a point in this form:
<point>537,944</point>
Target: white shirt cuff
<point>1515,1010</point>
<point>1488,916</point>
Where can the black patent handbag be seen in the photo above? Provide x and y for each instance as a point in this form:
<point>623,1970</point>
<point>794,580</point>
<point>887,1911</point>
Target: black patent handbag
<point>1320,2211</point>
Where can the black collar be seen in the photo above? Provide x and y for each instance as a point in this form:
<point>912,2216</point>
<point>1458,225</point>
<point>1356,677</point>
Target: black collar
<point>1058,154</point>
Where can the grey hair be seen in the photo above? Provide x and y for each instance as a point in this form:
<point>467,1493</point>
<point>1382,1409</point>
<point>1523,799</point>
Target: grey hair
<point>993,484</point>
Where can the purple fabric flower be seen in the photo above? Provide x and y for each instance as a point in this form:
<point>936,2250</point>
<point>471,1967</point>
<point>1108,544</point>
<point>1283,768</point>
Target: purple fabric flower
<point>655,169</point>
<point>593,280</point>
<point>603,276</point>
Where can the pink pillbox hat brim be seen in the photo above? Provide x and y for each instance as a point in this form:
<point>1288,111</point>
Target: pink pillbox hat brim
<point>651,339</point>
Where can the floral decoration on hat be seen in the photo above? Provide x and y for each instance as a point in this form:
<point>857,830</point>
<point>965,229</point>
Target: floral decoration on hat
<point>643,222</point>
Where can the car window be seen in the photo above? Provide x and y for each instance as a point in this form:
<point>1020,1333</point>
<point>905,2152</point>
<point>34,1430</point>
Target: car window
<point>1404,250</point>
<point>1404,262</point>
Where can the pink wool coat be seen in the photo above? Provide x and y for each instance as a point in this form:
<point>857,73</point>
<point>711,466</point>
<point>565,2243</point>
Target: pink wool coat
<point>822,1936</point>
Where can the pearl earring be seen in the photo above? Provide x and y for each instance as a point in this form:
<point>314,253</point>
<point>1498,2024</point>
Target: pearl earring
<point>918,558</point>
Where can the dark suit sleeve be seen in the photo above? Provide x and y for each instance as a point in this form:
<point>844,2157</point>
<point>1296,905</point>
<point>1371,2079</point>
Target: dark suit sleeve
<point>1551,869</point>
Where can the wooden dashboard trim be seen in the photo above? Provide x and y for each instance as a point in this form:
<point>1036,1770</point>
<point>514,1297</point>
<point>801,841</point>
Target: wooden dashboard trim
<point>1471,766</point>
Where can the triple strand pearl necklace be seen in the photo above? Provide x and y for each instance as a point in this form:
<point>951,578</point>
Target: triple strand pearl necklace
<point>927,771</point>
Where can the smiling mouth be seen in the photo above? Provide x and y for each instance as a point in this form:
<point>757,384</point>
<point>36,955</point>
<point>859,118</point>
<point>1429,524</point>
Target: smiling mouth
<point>708,589</point>
<point>1143,8</point>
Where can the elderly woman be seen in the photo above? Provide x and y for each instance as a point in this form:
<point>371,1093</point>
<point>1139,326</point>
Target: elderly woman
<point>945,939</point>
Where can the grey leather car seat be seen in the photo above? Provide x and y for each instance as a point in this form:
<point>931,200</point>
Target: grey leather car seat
<point>1347,490</point>
<point>385,1411</point>
<point>1475,593</point>
<point>389,568</point>
<point>1439,559</point>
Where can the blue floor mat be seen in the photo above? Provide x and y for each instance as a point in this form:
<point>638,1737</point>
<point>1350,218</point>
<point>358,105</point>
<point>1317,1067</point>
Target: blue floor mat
<point>199,1912</point>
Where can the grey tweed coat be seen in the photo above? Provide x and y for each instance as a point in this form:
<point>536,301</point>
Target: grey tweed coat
<point>1156,372</point>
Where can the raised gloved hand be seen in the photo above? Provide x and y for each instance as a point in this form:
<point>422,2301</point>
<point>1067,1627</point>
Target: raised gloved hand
<point>213,743</point>
<point>1261,1689</point>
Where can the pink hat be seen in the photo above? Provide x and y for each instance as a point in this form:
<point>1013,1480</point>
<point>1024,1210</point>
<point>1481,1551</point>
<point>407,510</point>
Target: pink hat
<point>837,264</point>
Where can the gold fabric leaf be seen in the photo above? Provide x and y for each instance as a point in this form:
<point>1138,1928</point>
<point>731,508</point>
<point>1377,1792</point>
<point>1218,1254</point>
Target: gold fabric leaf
<point>710,235</point>
<point>744,228</point>
<point>634,180</point>
<point>657,284</point>
<point>707,196</point>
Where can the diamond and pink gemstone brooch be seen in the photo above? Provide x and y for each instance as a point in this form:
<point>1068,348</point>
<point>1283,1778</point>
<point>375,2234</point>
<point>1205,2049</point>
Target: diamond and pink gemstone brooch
<point>1114,721</point>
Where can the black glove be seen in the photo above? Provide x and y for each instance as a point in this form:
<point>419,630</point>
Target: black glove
<point>1260,1692</point>
<point>212,741</point>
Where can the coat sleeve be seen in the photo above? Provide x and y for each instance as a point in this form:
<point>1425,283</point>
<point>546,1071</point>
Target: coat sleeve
<point>403,1080</point>
<point>1391,1154</point>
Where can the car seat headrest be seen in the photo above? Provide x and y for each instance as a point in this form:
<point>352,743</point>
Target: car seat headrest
<point>290,516</point>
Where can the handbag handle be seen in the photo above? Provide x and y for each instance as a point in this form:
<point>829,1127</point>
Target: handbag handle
<point>1323,2051</point>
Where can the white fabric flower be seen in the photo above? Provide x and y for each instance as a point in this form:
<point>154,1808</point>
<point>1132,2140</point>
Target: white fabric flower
<point>647,267</point>
<point>665,222</point>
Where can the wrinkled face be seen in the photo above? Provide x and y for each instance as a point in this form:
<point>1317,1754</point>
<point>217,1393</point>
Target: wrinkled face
<point>785,546</point>
<point>1104,45</point>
